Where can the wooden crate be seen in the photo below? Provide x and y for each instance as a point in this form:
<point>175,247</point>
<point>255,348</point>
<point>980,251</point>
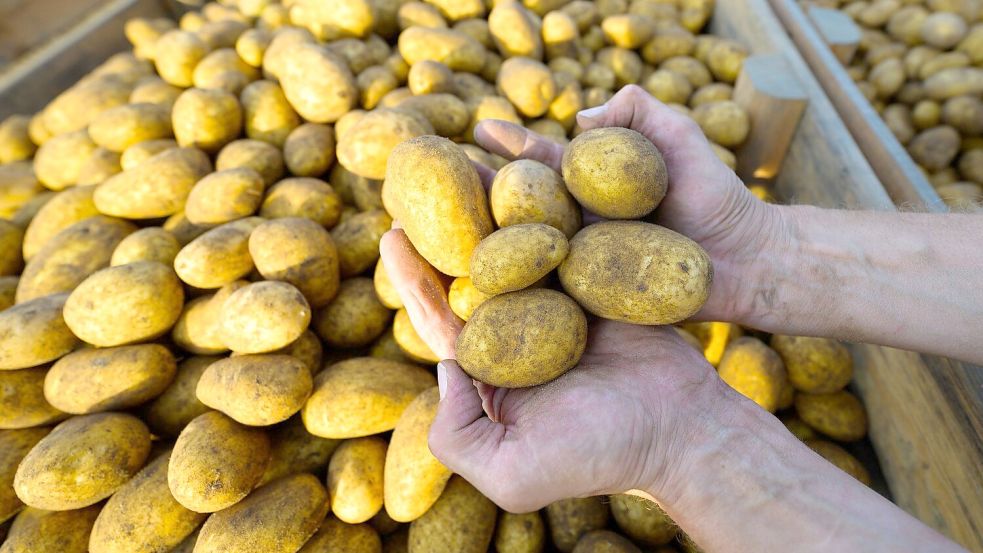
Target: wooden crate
<point>926,413</point>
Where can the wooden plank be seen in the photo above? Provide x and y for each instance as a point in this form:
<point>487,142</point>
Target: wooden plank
<point>27,24</point>
<point>899,174</point>
<point>27,85</point>
<point>839,32</point>
<point>926,412</point>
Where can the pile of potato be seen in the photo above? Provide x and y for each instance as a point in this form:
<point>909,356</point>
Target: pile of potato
<point>920,63</point>
<point>199,349</point>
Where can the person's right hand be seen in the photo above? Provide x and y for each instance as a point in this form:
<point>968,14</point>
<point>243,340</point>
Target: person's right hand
<point>706,201</point>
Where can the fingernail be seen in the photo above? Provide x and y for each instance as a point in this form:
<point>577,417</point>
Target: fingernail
<point>442,379</point>
<point>594,112</point>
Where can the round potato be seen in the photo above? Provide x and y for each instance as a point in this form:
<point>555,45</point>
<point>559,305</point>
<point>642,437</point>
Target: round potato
<point>461,520</point>
<point>725,60</point>
<point>517,256</point>
<point>642,520</point>
<point>224,196</point>
<point>668,86</point>
<point>526,191</point>
<point>430,77</point>
<point>935,148</point>
<point>520,533</point>
<point>178,405</point>
<point>605,540</point>
<point>754,370</point>
<point>43,531</point>
<point>841,458</point>
<point>22,403</point>
<point>142,151</point>
<point>119,128</point>
<point>15,141</point>
<point>570,519</point>
<point>267,115</point>
<point>331,20</point>
<point>156,91</point>
<point>409,341</point>
<point>815,365</point>
<point>199,328</point>
<point>252,45</point>
<point>528,84</point>
<point>34,332</point>
<point>14,445</point>
<point>514,30</point>
<point>304,197</point>
<point>365,148</point>
<point>147,244</point>
<point>309,150</point>
<point>300,252</point>
<point>256,390</point>
<point>262,157</point>
<point>456,50</point>
<point>82,461</point>
<point>158,187</point>
<point>179,53</point>
<point>355,317</point>
<point>263,316</point>
<point>355,479</point>
<point>839,415</point>
<point>206,118</point>
<point>725,123</point>
<point>464,298</point>
<point>219,256</point>
<point>59,161</point>
<point>75,108</point>
<point>335,535</point>
<point>448,115</point>
<point>357,240</point>
<point>943,30</point>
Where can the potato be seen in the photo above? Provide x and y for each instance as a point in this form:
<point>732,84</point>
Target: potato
<point>410,342</point>
<point>520,533</point>
<point>256,390</point>
<point>68,470</point>
<point>14,445</point>
<point>8,289</point>
<point>725,60</point>
<point>178,52</point>
<point>940,62</point>
<point>693,69</point>
<point>626,65</point>
<point>224,196</point>
<point>335,535</point>
<point>462,519</point>
<point>972,44</point>
<point>935,148</point>
<point>334,19</point>
<point>926,114</point>
<point>628,30</point>
<point>517,256</point>
<point>262,157</point>
<point>357,240</point>
<point>420,14</point>
<point>158,187</point>
<point>943,30</point>
<point>497,347</point>
<point>971,165</point>
<point>143,517</point>
<point>456,50</point>
<point>142,151</point>
<point>374,83</point>
<point>839,415</point>
<point>11,241</point>
<point>815,365</point>
<point>610,186</point>
<point>957,81</point>
<point>34,332</point>
<point>178,405</point>
<point>668,86</point>
<point>222,33</point>
<point>75,108</point>
<point>59,161</point>
<point>279,516</point>
<point>219,256</point>
<point>528,84</point>
<point>906,24</point>
<point>223,69</point>
<point>355,479</point>
<point>515,31</point>
<point>631,295</point>
<point>430,77</point>
<point>263,316</point>
<point>965,114</point>
<point>101,309</point>
<point>725,123</point>
<point>898,120</point>
<point>642,520</point>
<point>713,92</point>
<point>569,519</point>
<point>252,44</point>
<point>317,83</point>
<point>206,118</point>
<point>354,317</point>
<point>22,403</point>
<point>121,127</point>
<point>362,396</point>
<point>304,197</point>
<point>147,244</point>
<point>18,186</point>
<point>41,531</point>
<point>199,327</point>
<point>300,252</point>
<point>841,458</point>
<point>526,191</point>
<point>384,288</point>
<point>754,370</point>
<point>15,142</point>
<point>154,90</point>
<point>666,44</point>
<point>366,147</point>
<point>464,298</point>
<point>713,338</point>
<point>798,428</point>
<point>216,462</point>
<point>448,115</point>
<point>293,450</point>
<point>604,541</point>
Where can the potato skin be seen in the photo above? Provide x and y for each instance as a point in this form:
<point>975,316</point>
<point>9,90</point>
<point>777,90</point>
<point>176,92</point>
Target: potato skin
<point>317,83</point>
<point>279,516</point>
<point>755,370</point>
<point>142,516</point>
<point>335,535</point>
<point>146,244</point>
<point>461,520</point>
<point>309,150</point>
<point>206,118</point>
<point>362,396</point>
<point>520,533</point>
<point>178,405</point>
<point>839,415</point>
<point>219,256</point>
<point>528,84</point>
<point>815,365</point>
<point>294,450</point>
<point>527,191</point>
<point>264,316</point>
<point>267,115</point>
<point>355,479</point>
<point>256,390</point>
<point>409,341</point>
<point>92,380</point>
<point>14,446</point>
<point>841,458</point>
<point>604,541</point>
<point>570,519</point>
<point>59,161</point>
<point>119,128</point>
<point>515,257</point>
<point>456,50</point>
<point>23,404</point>
<point>357,240</point>
<point>180,51</point>
<point>365,148</point>
<point>642,520</point>
<point>216,462</point>
<point>355,317</point>
<point>305,197</point>
<point>62,211</point>
<point>224,196</point>
<point>43,531</point>
<point>300,252</point>
<point>66,470</point>
<point>464,298</point>
<point>413,478</point>
<point>34,332</point>
<point>158,187</point>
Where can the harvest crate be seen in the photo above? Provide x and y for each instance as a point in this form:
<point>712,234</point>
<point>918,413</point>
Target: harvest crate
<point>926,413</point>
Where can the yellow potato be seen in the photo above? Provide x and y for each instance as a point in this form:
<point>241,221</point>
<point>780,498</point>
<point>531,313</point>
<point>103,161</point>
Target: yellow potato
<point>18,185</point>
<point>957,81</point>
<point>41,531</point>
<point>409,341</point>
<point>8,289</point>
<point>15,142</point>
<point>520,533</point>
<point>528,84</point>
<point>75,108</point>
<point>147,244</point>
<point>300,252</point>
<point>935,148</point>
<point>223,69</point>
<point>333,19</point>
<point>713,338</point>
<point>216,462</point>
<point>670,289</point>
<point>448,115</point>
<point>199,327</point>
<point>839,415</point>
<point>365,148</point>
<point>101,165</point>
<point>526,191</point>
<point>143,517</point>
<point>357,240</point>
<point>755,370</point>
<point>615,185</point>
<point>517,256</point>
<point>569,519</point>
<point>725,122</point>
<point>178,405</point>
<point>59,161</point>
<point>669,43</point>
<point>142,151</point>
<point>304,197</point>
<point>154,90</point>
<point>355,479</point>
<point>309,150</point>
<point>386,347</point>
<point>943,30</point>
<point>430,77</point>
<point>464,298</point>
<point>178,54</point>
<point>692,68</point>
<point>256,390</point>
<point>420,14</point>
<point>219,256</point>
<point>125,304</point>
<point>252,44</point>
<point>628,30</point>
<point>14,445</point>
<point>713,92</point>
<point>971,165</point>
<point>121,127</point>
<point>279,516</point>
<point>965,114</point>
<point>355,317</point>
<point>23,404</point>
<point>158,187</point>
<point>262,157</point>
<point>514,30</point>
<point>456,50</point>
<point>294,450</point>
<point>798,428</point>
<point>384,288</point>
<point>222,32</point>
<point>34,332</point>
<point>206,118</point>
<point>263,316</point>
<point>725,59</point>
<point>606,541</point>
<point>815,365</point>
<point>82,461</point>
<point>626,65</point>
<point>642,520</point>
<point>668,86</point>
<point>317,83</point>
<point>374,83</point>
<point>225,195</point>
<point>362,396</point>
<point>335,535</point>
<point>461,520</point>
<point>841,458</point>
<point>358,55</point>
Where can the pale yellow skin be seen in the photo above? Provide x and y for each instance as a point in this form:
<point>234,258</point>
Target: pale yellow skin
<point>294,450</point>
<point>355,479</point>
<point>520,533</point>
<point>839,415</point>
<point>514,31</point>
<point>957,81</point>
<point>560,35</point>
<point>456,50</point>
<point>725,60</point>
<point>755,370</point>
<point>665,277</point>
<point>206,118</point>
<point>309,150</point>
<point>178,54</point>
<point>318,84</point>
<point>279,516</point>
<point>92,380</point>
<point>304,197</point>
<point>11,243</point>
<point>414,479</point>
<point>362,396</point>
<point>142,151</point>
<point>219,256</point>
<point>220,68</point>
<point>693,69</point>
<point>464,298</point>
<point>627,181</point>
<point>252,44</point>
<point>528,84</point>
<point>668,86</point>
<point>386,347</point>
<point>222,31</point>
<point>42,531</point>
<point>523,338</point>
<point>461,520</point>
<point>430,77</point>
<point>18,187</point>
<point>199,330</point>
<point>626,65</point>
<point>723,122</point>
<point>263,316</point>
<point>713,92</point>
<point>147,244</point>
<point>642,520</point>
<point>216,462</point>
<point>101,165</point>
<point>256,390</point>
<point>66,470</point>
<point>935,148</point>
<point>965,114</point>
<point>58,161</point>
<point>841,458</point>
<point>125,304</point>
<point>300,252</point>
<point>448,114</point>
<point>357,240</point>
<point>354,318</point>
<point>815,365</point>
<point>258,155</point>
<point>119,128</point>
<point>14,445</point>
<point>153,90</point>
<point>605,541</point>
<point>943,30</point>
<point>62,211</point>
<point>334,19</point>
<point>628,30</point>
<point>526,191</point>
<point>374,83</point>
<point>569,519</point>
<point>73,109</point>
<point>410,342</point>
<point>365,148</point>
<point>158,187</point>
<point>15,142</point>
<point>515,257</point>
<point>335,535</point>
<point>444,215</point>
<point>224,196</point>
<point>178,405</point>
<point>34,332</point>
<point>277,53</point>
<point>669,44</point>
<point>23,404</point>
<point>143,517</point>
<point>384,288</point>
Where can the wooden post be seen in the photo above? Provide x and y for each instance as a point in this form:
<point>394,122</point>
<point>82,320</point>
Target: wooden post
<point>775,101</point>
<point>838,30</point>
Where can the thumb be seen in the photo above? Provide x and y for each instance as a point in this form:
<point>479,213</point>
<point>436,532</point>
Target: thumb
<point>461,437</point>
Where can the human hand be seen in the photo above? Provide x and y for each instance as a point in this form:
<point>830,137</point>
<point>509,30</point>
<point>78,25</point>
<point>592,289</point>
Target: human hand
<point>706,201</point>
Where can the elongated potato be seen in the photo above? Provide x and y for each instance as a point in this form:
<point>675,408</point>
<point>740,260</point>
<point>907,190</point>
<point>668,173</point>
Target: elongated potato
<point>22,403</point>
<point>34,332</point>
<point>520,533</point>
<point>260,156</point>
<point>82,461</point>
<point>362,396</point>
<point>143,517</point>
<point>179,53</point>
<point>142,151</point>
<point>216,462</point>
<point>147,244</point>
<point>355,479</point>
<point>355,317</point>
<point>755,370</point>
<point>59,161</point>
<point>300,252</point>
<point>527,191</point>
<point>410,342</point>
<point>158,187</point>
<point>14,446</point>
<point>206,118</point>
<point>264,316</point>
<point>514,30</point>
<point>815,365</point>
<point>528,84</point>
<point>357,240</point>
<point>570,519</point>
<point>178,405</point>
<point>42,531</point>
<point>365,148</point>
<point>456,50</point>
<point>309,150</point>
<point>335,535</point>
<point>516,257</point>
<point>219,256</point>
<point>839,415</point>
<point>119,128</point>
<point>305,197</point>
<point>294,450</point>
<point>461,520</point>
<point>279,516</point>
<point>642,520</point>
<point>317,83</point>
<point>267,115</point>
<point>224,196</point>
<point>256,390</point>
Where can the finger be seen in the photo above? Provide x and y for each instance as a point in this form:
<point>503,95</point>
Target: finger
<point>485,173</point>
<point>492,399</point>
<point>461,437</point>
<point>421,289</point>
<point>513,142</point>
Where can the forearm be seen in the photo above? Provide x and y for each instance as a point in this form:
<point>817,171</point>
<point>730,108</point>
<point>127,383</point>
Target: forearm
<point>908,280</point>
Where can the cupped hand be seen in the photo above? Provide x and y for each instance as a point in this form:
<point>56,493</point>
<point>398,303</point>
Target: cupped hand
<point>706,201</point>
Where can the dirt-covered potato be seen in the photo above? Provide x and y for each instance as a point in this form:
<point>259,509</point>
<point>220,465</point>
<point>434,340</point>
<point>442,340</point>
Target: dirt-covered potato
<point>839,415</point>
<point>668,86</point>
<point>462,519</point>
<point>267,115</point>
<point>34,332</point>
<point>526,191</point>
<point>82,461</point>
<point>317,83</point>
<point>158,187</point>
<point>520,533</point>
<point>305,197</point>
<point>75,108</point>
<point>642,520</point>
<point>755,370</point>
<point>935,148</point>
<point>59,161</point>
<point>224,196</point>
<point>14,445</point>
<point>841,458</point>
<point>43,531</point>
<point>198,329</point>
<point>456,50</point>
<point>725,123</point>
<point>570,519</point>
<point>670,289</point>
<point>517,256</point>
<point>448,115</point>
<point>528,84</point>
<point>279,516</point>
<point>300,252</point>
<point>362,396</point>
<point>814,365</point>
<point>354,317</point>
<point>430,77</point>
<point>335,535</point>
<point>143,517</point>
<point>294,450</point>
<point>219,256</point>
<point>178,52</point>
<point>357,241</point>
<point>515,31</point>
<point>216,462</point>
<point>263,316</point>
<point>498,347</point>
<point>206,118</point>
<point>464,298</point>
<point>355,476</point>
<point>22,403</point>
<point>256,390</point>
<point>366,146</point>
